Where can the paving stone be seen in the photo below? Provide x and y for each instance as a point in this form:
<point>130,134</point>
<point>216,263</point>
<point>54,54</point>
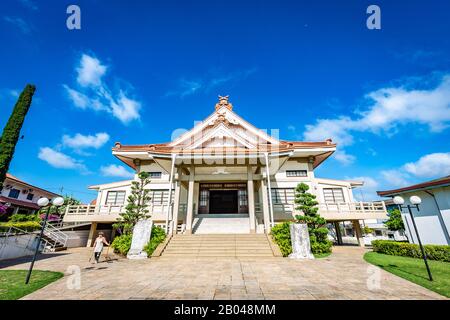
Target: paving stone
<point>341,276</point>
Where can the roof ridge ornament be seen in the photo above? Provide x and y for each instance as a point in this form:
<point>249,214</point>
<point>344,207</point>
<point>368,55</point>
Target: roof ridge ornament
<point>223,102</point>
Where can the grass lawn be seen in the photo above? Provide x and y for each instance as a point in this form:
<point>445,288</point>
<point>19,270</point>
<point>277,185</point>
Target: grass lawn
<point>414,270</point>
<point>12,282</point>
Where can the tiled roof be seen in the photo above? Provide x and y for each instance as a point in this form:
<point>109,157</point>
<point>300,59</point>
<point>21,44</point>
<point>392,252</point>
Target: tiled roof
<point>21,203</point>
<point>13,178</point>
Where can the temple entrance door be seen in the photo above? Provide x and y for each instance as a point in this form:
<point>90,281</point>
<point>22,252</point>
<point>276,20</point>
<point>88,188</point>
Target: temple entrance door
<point>223,201</point>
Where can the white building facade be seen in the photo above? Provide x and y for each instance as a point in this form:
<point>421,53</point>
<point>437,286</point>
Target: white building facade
<point>224,170</point>
<point>433,217</point>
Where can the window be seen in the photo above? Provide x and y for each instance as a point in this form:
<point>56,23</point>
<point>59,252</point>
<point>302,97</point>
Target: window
<point>115,198</point>
<point>155,175</point>
<point>14,193</point>
<point>280,196</point>
<point>159,197</point>
<point>204,195</point>
<point>243,201</point>
<point>296,173</point>
<point>30,196</point>
<point>333,195</point>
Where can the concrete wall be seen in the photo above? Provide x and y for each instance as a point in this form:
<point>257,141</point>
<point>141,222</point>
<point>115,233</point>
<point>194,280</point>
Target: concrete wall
<point>17,246</point>
<point>79,238</point>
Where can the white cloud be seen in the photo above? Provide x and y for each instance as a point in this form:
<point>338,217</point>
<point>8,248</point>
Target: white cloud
<point>343,157</point>
<point>80,141</point>
<point>187,87</point>
<point>93,92</point>
<point>29,4</point>
<point>430,165</point>
<point>388,108</point>
<point>18,22</point>
<point>90,71</point>
<point>395,178</point>
<point>125,109</point>
<point>60,160</point>
<point>368,191</point>
<point>116,171</point>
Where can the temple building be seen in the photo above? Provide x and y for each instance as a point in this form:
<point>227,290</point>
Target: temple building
<point>227,176</point>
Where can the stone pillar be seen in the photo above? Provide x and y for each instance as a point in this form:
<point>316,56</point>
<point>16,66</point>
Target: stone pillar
<point>358,233</point>
<point>190,202</point>
<point>176,206</point>
<point>91,236</point>
<point>301,246</point>
<point>251,199</point>
<point>338,232</point>
<point>265,208</point>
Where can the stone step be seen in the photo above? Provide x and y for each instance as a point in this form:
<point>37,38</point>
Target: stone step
<point>214,245</point>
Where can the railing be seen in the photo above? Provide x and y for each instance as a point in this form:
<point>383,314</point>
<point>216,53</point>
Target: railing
<point>83,210</point>
<point>353,207</point>
<point>332,208</point>
<point>56,235</point>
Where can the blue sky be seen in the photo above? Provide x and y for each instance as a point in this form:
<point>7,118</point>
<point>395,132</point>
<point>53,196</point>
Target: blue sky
<point>137,70</point>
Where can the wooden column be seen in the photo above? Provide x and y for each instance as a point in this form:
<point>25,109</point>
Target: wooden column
<point>358,233</point>
<point>91,236</point>
<point>338,232</point>
<point>190,202</point>
<point>251,199</point>
<point>265,208</point>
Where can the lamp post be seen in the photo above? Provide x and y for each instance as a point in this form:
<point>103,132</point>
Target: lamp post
<point>415,201</point>
<point>43,202</point>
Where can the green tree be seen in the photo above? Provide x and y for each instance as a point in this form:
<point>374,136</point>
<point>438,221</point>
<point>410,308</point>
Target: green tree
<point>11,131</point>
<point>306,202</point>
<point>395,221</point>
<point>136,208</point>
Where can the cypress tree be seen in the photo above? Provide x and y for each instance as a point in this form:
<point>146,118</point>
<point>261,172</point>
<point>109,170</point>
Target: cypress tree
<point>11,132</point>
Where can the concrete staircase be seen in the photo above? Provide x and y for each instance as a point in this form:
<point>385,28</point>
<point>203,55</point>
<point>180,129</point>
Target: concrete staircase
<point>218,245</point>
<point>221,224</point>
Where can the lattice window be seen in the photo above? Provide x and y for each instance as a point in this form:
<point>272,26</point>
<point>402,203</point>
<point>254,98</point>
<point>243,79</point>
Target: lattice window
<point>333,195</point>
<point>204,195</point>
<point>243,199</point>
<point>115,198</point>
<point>282,195</point>
<point>296,173</point>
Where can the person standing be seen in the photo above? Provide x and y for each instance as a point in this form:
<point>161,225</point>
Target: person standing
<point>98,246</point>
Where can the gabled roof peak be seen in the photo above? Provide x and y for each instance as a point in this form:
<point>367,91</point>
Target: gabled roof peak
<point>223,102</point>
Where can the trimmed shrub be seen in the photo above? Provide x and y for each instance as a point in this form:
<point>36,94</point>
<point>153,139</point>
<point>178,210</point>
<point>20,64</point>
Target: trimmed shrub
<point>122,244</point>
<point>158,236</point>
<point>393,248</point>
<point>282,237</point>
<point>19,217</point>
<point>25,226</point>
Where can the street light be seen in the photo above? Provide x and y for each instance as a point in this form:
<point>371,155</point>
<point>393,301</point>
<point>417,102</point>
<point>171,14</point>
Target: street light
<point>43,202</point>
<point>415,201</point>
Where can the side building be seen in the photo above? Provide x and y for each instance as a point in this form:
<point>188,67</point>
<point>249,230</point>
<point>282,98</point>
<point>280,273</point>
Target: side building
<point>433,217</point>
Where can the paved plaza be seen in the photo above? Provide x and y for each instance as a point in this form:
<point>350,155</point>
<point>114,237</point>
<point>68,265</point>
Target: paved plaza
<point>343,275</point>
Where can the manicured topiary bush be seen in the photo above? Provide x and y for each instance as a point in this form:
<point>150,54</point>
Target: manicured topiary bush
<point>282,237</point>
<point>122,244</point>
<point>434,252</point>
<point>25,226</point>
<point>158,236</point>
<point>20,217</point>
